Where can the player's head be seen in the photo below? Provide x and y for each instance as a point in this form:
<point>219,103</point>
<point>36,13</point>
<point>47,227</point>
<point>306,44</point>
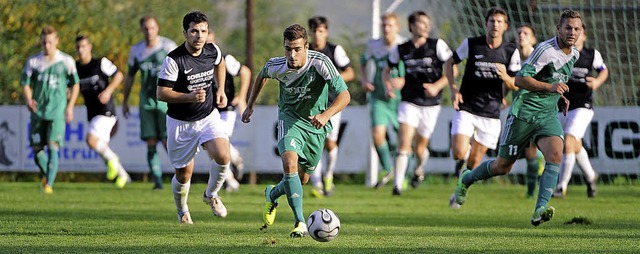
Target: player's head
<point>49,40</point>
<point>319,29</point>
<point>149,27</point>
<point>569,28</point>
<point>83,47</point>
<point>390,26</point>
<point>295,46</point>
<point>419,24</point>
<point>526,35</point>
<point>582,38</point>
<point>496,22</point>
<point>195,27</point>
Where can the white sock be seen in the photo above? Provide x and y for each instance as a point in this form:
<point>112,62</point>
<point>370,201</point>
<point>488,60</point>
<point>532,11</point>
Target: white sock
<point>422,161</point>
<point>180,194</point>
<point>583,162</point>
<point>566,166</point>
<point>231,181</point>
<point>332,158</point>
<point>316,177</point>
<point>401,169</point>
<point>236,159</point>
<point>217,175</point>
<point>102,148</point>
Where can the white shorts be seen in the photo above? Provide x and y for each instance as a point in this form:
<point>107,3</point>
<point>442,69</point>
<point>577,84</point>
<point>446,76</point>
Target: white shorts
<point>184,138</point>
<point>228,121</point>
<point>335,122</point>
<point>101,126</point>
<point>423,118</point>
<point>576,121</point>
<point>485,130</point>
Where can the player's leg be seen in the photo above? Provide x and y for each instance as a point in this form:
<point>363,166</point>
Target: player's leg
<point>180,185</point>
<point>216,143</point>
<point>181,152</point>
<point>55,134</point>
<point>37,141</point>
<point>531,178</point>
<point>590,175</point>
<point>566,165</point>
<point>331,154</point>
<point>228,124</point>
<point>381,116</point>
<point>421,143</point>
<point>487,134</point>
<point>149,132</point>
<point>575,129</point>
<point>548,138</point>
<point>98,139</point>
<point>461,131</point>
<point>409,118</point>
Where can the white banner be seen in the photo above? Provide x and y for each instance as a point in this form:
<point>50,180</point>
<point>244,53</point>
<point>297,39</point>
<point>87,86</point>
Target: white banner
<point>613,142</point>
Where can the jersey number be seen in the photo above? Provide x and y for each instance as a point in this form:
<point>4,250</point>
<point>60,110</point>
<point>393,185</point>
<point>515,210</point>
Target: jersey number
<point>513,150</point>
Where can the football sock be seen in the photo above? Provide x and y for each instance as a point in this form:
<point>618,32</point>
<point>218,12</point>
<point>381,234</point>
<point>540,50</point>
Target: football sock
<point>401,169</point>
<point>384,154</point>
<point>180,194</point>
<point>236,159</point>
<point>458,167</point>
<point>277,191</point>
<point>217,175</point>
<point>42,160</point>
<point>548,181</point>
<point>332,157</point>
<point>102,148</point>
<point>482,172</point>
<point>52,166</point>
<point>316,177</point>
<point>566,166</point>
<point>531,175</point>
<point>583,161</point>
<point>422,161</point>
<point>154,165</point>
<point>293,189</point>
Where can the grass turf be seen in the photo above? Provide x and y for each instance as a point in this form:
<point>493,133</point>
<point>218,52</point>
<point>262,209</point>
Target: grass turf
<point>96,217</point>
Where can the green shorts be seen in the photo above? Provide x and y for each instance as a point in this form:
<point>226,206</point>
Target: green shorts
<point>517,134</point>
<point>306,144</point>
<point>384,112</point>
<point>42,131</point>
<point>153,124</point>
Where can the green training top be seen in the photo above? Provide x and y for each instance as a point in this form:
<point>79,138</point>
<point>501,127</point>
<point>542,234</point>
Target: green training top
<point>149,62</point>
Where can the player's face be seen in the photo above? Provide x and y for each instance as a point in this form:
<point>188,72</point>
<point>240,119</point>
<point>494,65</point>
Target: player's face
<point>150,29</point>
<point>496,25</point>
<point>569,31</point>
<point>421,27</point>
<point>196,35</point>
<point>581,39</point>
<point>320,34</point>
<point>390,28</point>
<point>296,52</point>
<point>49,43</point>
<point>525,37</point>
<point>84,49</point>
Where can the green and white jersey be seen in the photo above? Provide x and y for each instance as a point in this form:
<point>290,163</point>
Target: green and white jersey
<point>304,92</point>
<point>377,51</point>
<point>49,82</point>
<point>148,61</point>
<point>547,63</point>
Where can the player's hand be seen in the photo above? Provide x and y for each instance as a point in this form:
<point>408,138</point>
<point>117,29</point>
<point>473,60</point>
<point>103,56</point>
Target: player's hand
<point>560,88</point>
<point>199,95</point>
<point>68,114</point>
<point>246,115</point>
<point>221,99</point>
<point>501,70</point>
<point>319,120</point>
<point>368,87</point>
<point>456,99</point>
<point>32,105</point>
<point>104,97</point>
<point>391,94</point>
<point>430,89</point>
<point>591,82</point>
<point>125,110</point>
<point>564,105</point>
<point>240,103</point>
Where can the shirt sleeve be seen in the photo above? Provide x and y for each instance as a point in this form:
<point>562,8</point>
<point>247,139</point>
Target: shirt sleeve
<point>27,71</point>
<point>342,60</point>
<point>107,67</point>
<point>233,65</point>
<point>462,52</point>
<point>514,63</point>
<point>443,51</point>
<point>598,62</point>
<point>536,61</point>
<point>168,73</point>
<point>394,57</point>
<point>72,72</point>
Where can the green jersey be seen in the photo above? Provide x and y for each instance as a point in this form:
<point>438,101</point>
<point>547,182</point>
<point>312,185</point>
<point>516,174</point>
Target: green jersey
<point>379,52</point>
<point>547,63</point>
<point>304,92</point>
<point>49,82</point>
<point>149,61</point>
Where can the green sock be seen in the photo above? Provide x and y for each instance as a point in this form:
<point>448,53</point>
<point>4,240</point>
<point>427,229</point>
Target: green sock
<point>482,172</point>
<point>548,182</point>
<point>532,176</point>
<point>293,189</point>
<point>277,191</point>
<point>42,160</point>
<point>52,166</point>
<point>154,165</point>
<point>384,154</point>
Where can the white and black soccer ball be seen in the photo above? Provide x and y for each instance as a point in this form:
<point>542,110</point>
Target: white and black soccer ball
<point>323,225</point>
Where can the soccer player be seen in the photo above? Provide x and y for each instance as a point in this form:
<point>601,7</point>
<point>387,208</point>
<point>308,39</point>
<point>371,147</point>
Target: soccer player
<point>421,90</point>
<point>383,106</point>
<point>319,30</point>
<point>187,82</point>
<point>46,79</point>
<point>146,56</point>
<point>533,115</point>
<point>94,74</point>
<point>228,114</point>
<point>306,78</point>
<point>581,86</point>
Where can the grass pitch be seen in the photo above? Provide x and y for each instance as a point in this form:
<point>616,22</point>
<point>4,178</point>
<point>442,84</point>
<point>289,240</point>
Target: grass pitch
<point>96,217</point>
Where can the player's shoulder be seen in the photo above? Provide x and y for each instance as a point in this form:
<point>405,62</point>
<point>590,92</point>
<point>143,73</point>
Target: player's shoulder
<point>178,52</point>
<point>276,61</point>
<point>316,57</point>
<point>167,43</point>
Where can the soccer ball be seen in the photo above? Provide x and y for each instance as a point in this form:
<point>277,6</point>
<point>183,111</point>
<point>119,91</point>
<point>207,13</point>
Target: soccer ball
<point>323,225</point>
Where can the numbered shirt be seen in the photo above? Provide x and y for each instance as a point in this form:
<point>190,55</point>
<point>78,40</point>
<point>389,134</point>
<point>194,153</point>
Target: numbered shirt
<point>547,63</point>
<point>94,78</point>
<point>304,92</point>
<point>49,82</point>
<point>589,63</point>
<point>148,61</point>
<point>377,53</point>
<point>481,87</point>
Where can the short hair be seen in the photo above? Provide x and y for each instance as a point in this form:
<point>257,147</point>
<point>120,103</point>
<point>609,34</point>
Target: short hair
<point>294,32</point>
<point>569,14</point>
<point>413,17</point>
<point>389,15</point>
<point>195,17</point>
<point>144,19</point>
<point>495,10</point>
<point>82,37</point>
<point>533,30</point>
<point>317,21</point>
<point>47,30</point>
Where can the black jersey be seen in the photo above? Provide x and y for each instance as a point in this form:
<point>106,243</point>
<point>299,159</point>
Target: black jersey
<point>481,87</point>
<point>338,57</point>
<point>422,65</point>
<point>94,78</point>
<point>185,73</point>
<point>233,70</point>
<point>580,95</point>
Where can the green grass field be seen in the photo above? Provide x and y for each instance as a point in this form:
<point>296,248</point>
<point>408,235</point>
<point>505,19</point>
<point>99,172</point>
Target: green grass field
<point>96,217</point>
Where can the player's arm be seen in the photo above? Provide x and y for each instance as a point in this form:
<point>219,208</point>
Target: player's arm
<point>28,98</point>
<point>71,102</point>
<point>393,82</point>
<point>364,80</point>
<point>433,89</point>
<point>595,82</point>
<point>451,71</point>
<point>348,74</point>
<point>240,100</point>
<point>507,79</point>
<point>105,95</point>
<point>254,91</point>
<point>341,101</point>
<point>221,71</point>
<point>126,91</point>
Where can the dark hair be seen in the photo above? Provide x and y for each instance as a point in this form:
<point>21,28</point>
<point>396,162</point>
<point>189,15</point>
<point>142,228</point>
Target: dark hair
<point>47,30</point>
<point>569,14</point>
<point>533,30</point>
<point>144,19</point>
<point>317,21</point>
<point>81,37</point>
<point>495,11</point>
<point>294,32</point>
<point>195,17</point>
<point>413,17</point>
